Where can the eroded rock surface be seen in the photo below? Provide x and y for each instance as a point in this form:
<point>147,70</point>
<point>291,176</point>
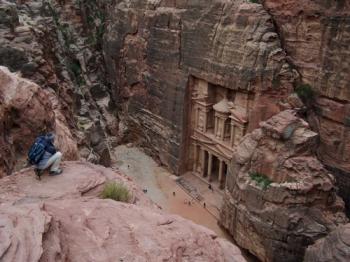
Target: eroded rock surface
<point>62,219</point>
<point>57,44</point>
<point>335,247</point>
<point>26,110</point>
<point>278,221</point>
<point>315,35</point>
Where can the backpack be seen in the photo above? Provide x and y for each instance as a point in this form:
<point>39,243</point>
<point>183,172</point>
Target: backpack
<point>36,151</point>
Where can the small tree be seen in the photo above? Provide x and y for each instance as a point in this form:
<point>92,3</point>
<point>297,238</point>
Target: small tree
<point>115,191</point>
<point>305,93</point>
<point>260,179</point>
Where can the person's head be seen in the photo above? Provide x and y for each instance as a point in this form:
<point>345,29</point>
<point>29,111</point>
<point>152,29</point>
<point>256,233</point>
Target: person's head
<point>50,136</point>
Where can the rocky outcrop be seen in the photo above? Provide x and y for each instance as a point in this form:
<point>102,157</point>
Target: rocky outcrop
<point>57,45</point>
<point>25,111</point>
<point>62,219</point>
<point>335,247</point>
<point>80,179</point>
<point>154,49</point>
<point>315,35</point>
<point>279,197</point>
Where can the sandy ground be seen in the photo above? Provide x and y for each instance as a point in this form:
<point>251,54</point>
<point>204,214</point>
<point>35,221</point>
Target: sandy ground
<point>162,187</point>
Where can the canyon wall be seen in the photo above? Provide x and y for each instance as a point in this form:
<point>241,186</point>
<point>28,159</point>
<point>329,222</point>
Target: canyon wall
<point>154,49</point>
<point>110,72</point>
<point>57,44</point>
<point>316,36</point>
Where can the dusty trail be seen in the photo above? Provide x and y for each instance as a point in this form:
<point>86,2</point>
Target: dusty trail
<point>160,185</point>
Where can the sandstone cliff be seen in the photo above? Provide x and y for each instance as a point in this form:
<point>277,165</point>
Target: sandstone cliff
<point>315,37</point>
<point>279,197</point>
<point>114,71</point>
<point>61,219</point>
<point>153,49</point>
<point>57,45</point>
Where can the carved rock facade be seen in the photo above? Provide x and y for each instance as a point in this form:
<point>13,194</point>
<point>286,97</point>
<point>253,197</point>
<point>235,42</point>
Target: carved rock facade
<point>158,51</point>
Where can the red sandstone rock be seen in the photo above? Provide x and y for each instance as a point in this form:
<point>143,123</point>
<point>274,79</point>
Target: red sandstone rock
<point>154,49</point>
<point>333,248</point>
<point>315,36</point>
<point>300,205</point>
<point>61,219</point>
<point>80,178</point>
<point>25,111</point>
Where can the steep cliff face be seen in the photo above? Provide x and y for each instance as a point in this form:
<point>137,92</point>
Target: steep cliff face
<point>279,197</point>
<point>57,45</point>
<point>153,49</point>
<point>315,36</point>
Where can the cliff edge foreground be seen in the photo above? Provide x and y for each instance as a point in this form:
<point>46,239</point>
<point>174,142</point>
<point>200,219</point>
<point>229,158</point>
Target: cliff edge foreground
<point>62,218</point>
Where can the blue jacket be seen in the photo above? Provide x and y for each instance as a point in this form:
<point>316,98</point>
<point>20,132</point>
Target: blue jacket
<point>49,150</point>
<point>48,143</point>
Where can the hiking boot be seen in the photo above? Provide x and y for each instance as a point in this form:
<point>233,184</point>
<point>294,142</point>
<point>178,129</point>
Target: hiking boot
<point>56,172</point>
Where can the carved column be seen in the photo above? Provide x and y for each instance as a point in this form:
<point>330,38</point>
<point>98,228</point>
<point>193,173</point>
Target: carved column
<point>215,125</point>
<point>222,129</point>
<point>202,162</point>
<point>210,165</point>
<point>221,169</point>
<point>232,135</point>
<point>195,158</point>
<point>224,176</point>
<point>196,116</point>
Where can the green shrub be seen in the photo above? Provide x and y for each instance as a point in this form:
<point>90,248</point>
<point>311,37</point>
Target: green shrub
<point>260,179</point>
<point>305,93</point>
<point>115,191</point>
<point>255,1</point>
